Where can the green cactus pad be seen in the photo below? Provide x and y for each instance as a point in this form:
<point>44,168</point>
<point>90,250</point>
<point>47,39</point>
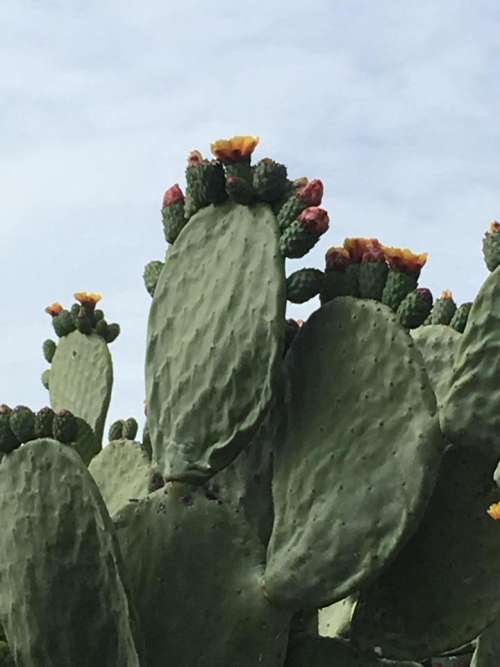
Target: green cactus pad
<point>487,653</point>
<point>215,339</point>
<point>116,430</point>
<point>195,571</point>
<point>305,651</point>
<point>303,285</point>
<point>6,659</point>
<point>62,601</point>
<point>81,378</point>
<point>122,471</point>
<point>415,308</point>
<point>437,343</point>
<point>442,589</point>
<point>471,414</point>
<point>174,221</point>
<point>49,349</point>
<point>361,428</point>
<point>491,249</point>
<point>296,242</point>
<point>339,283</point>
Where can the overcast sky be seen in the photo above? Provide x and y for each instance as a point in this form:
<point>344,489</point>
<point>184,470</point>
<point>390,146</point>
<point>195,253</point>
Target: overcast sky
<point>394,105</point>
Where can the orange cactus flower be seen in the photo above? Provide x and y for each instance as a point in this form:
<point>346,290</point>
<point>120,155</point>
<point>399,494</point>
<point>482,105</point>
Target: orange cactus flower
<point>446,295</point>
<point>357,247</point>
<point>54,310</point>
<point>404,260</point>
<point>235,149</point>
<point>88,298</point>
<point>494,511</point>
<point>494,227</point>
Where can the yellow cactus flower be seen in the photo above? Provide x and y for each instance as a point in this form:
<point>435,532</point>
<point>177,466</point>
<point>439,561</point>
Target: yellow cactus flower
<point>446,294</point>
<point>494,511</point>
<point>234,149</point>
<point>54,309</point>
<point>87,298</point>
<point>356,247</point>
<point>404,260</point>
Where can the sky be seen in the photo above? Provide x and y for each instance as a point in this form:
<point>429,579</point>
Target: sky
<point>395,106</point>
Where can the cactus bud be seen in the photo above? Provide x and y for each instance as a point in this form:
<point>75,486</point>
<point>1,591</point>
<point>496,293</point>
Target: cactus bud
<point>54,309</point>
<point>311,193</point>
<point>172,196</point>
<point>64,427</point>
<point>337,259</point>
<point>44,420</point>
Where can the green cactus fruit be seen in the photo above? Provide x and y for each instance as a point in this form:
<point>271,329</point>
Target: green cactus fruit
<point>58,544</point>
<point>398,284</point>
<point>348,445</point>
<point>239,190</point>
<point>116,430</point>
<point>64,427</point>
<point>122,471</point>
<point>470,415</point>
<point>63,323</point>
<point>81,379</point>
<point>304,194</point>
<point>491,246</point>
<point>372,274</point>
<point>49,349</point>
<point>308,650</point>
<point>415,308</point>
<point>98,316</point>
<point>303,234</point>
<point>438,345</point>
<point>130,428</point>
<point>112,333</point>
<point>447,574</point>
<point>8,440</point>
<point>444,308</point>
<point>459,319</point>
<point>214,564</point>
<point>340,277</point>
<point>75,311</point>
<point>45,378</point>
<point>101,329</point>
<point>303,285</point>
<point>152,272</point>
<point>234,340</point>
<point>174,218</point>
<point>83,322</point>
<point>205,183</point>
<point>270,180</point>
<point>44,420</point>
<point>22,423</point>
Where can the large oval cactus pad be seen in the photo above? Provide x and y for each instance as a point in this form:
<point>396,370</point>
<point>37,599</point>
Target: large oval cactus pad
<point>487,653</point>
<point>195,569</point>
<point>360,455</point>
<point>122,471</point>
<point>62,600</point>
<point>471,414</point>
<point>437,344</point>
<point>215,339</point>
<point>442,589</point>
<point>81,378</point>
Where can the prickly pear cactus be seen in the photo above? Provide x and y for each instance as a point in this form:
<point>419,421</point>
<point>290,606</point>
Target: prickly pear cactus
<point>306,494</point>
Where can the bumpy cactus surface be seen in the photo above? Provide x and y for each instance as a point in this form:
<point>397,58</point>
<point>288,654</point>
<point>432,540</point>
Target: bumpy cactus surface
<point>318,494</point>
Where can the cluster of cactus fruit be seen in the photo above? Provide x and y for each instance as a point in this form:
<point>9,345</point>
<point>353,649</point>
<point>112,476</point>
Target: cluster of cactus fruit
<point>304,494</point>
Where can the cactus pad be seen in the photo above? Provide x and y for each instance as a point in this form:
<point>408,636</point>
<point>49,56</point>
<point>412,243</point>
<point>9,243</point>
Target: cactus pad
<point>442,589</point>
<point>62,600</point>
<point>361,433</point>
<point>470,414</point>
<point>122,471</point>
<point>195,571</point>
<point>215,339</point>
<point>81,378</point>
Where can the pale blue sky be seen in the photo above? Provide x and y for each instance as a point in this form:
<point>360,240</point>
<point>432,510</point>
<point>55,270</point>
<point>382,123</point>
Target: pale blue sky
<point>395,106</point>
